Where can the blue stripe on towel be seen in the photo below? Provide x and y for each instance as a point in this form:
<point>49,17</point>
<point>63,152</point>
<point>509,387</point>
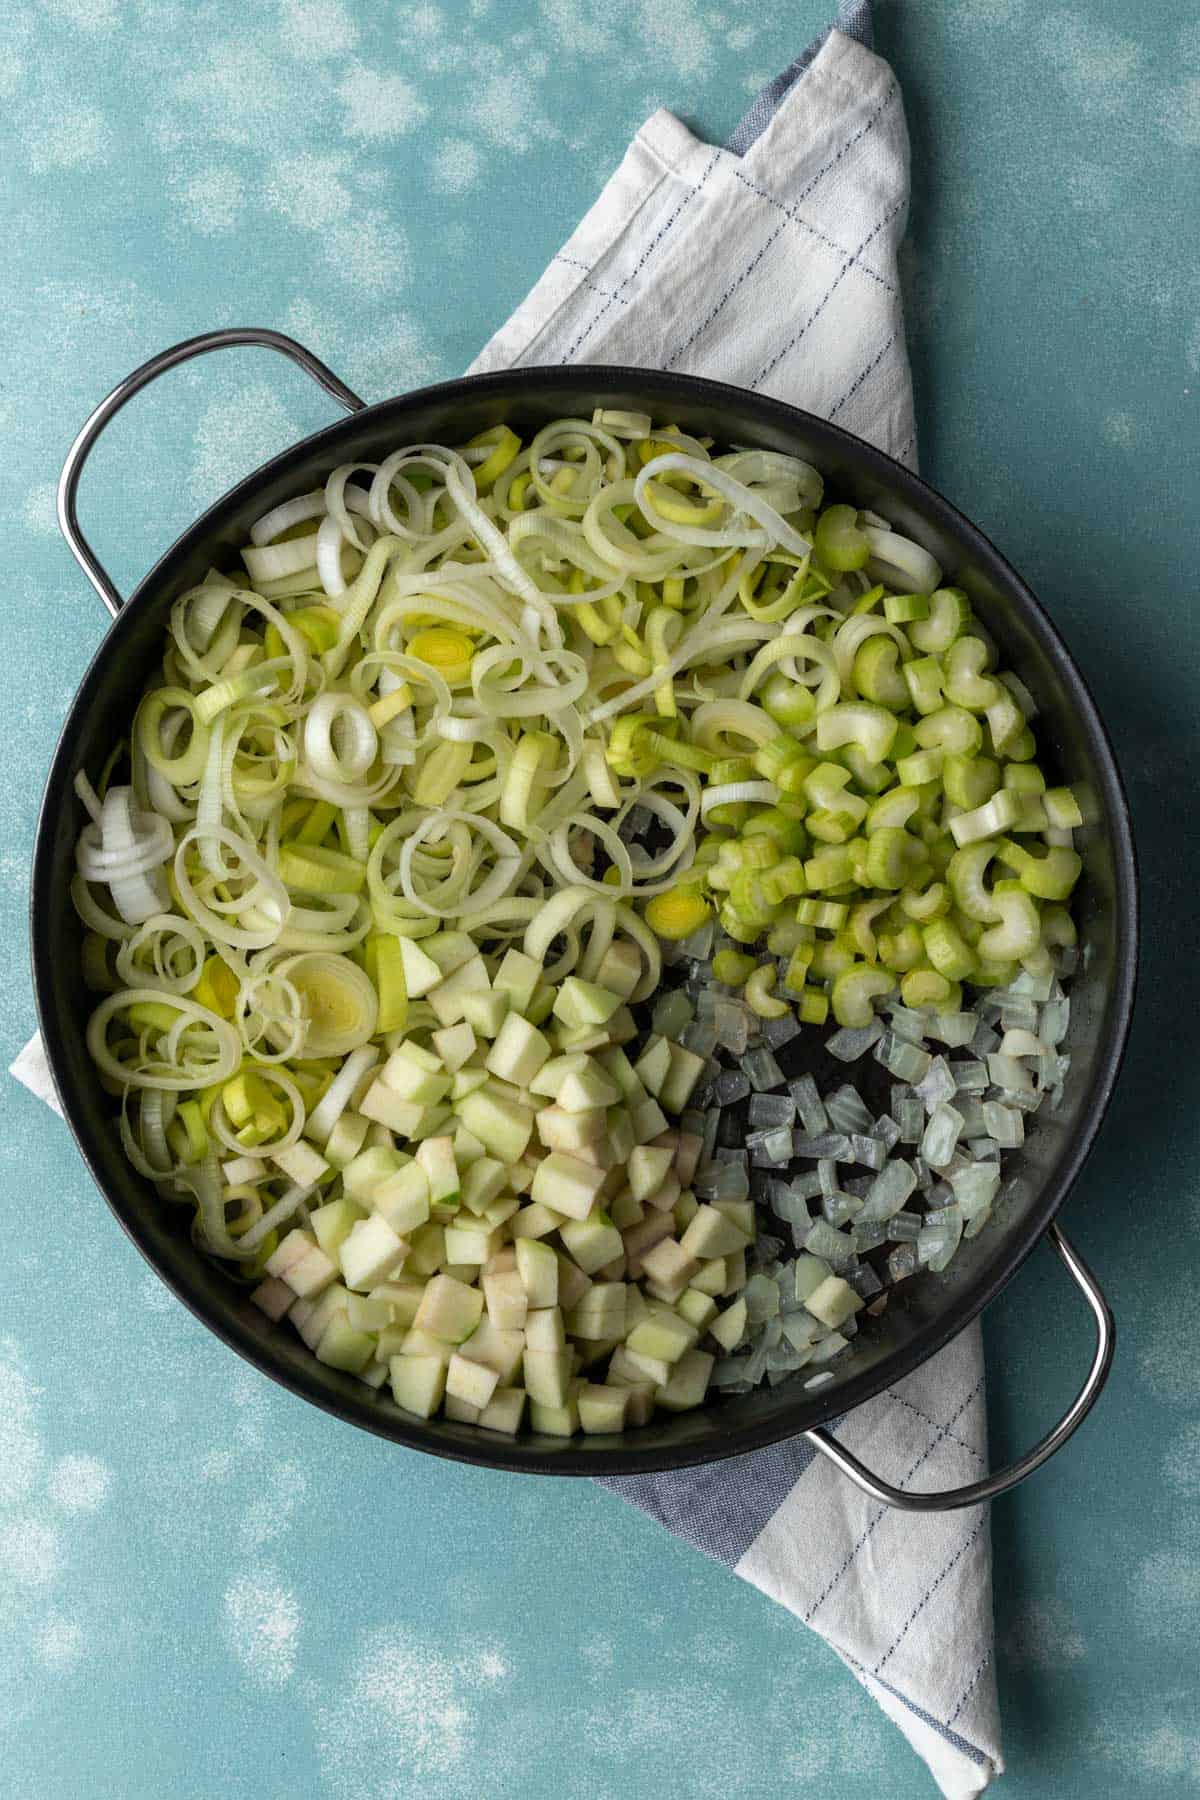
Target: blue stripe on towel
<point>853,20</point>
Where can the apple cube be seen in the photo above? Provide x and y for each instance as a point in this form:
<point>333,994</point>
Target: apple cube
<point>367,1171</point>
<point>620,1134</point>
<point>367,1312</point>
<point>833,1302</point>
<point>421,973</point>
<point>582,1090</point>
<point>639,1403</point>
<point>504,1127</point>
<point>730,1327</point>
<point>386,1107</point>
<point>712,1233</point>
<point>684,1072</point>
<point>665,1198</point>
<point>698,1309</point>
<point>592,1242</point>
<point>547,1376</point>
<point>741,1212</point>
<point>342,1347</point>
<point>500,1350</point>
<point>310,1317</point>
<point>371,1253</point>
<point>669,1265</point>
<point>554,1421</point>
<point>626,1211</point>
<point>544,1330</point>
<point>449,949</point>
<point>648,1120</point>
<point>504,1411</point>
<point>455,1045</point>
<point>638,1239</point>
<point>567,1185</point>
<point>470,1241</point>
<point>332,1224</point>
<point>653,1066</point>
<point>506,1300</point>
<point>687,1157</point>
<point>581,1002</point>
<point>418,1382</point>
<point>374,1375</point>
<point>648,1169</point>
<point>535,1221</point>
<point>620,968</point>
<point>423,1343</point>
<point>711,1278</point>
<point>537,1267</point>
<point>470,977</point>
<point>664,1335</point>
<point>407,1075</point>
<point>577,1133</point>
<point>735,1273</point>
<point>301,1164</point>
<point>684,1211</point>
<point>518,976</point>
<point>482,1182</point>
<point>465,1081</point>
<point>449,1309</point>
<point>403,1199</point>
<point>436,1157</point>
<point>602,1408</point>
<point>485,1013</point>
<point>599,1315</point>
<point>302,1264</point>
<point>519,1051</point>
<point>273,1297</point>
<point>688,1383</point>
<point>473,1382</point>
<point>643,1367</point>
<point>460,1410</point>
<point>346,1139</point>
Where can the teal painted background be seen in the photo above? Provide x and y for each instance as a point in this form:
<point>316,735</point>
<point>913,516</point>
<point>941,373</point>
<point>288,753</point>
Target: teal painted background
<point>206,1589</point>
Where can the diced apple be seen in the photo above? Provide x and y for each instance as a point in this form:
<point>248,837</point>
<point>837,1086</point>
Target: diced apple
<point>436,1157</point>
<point>469,1241</point>
<point>711,1234</point>
<point>653,1066</point>
<point>687,1157</point>
<point>418,1383</point>
<point>402,1296</point>
<point>599,1315</point>
<point>473,1382</point>
<point>554,1421</point>
<point>684,1072</point>
<point>581,1002</point>
<point>552,1074</point>
<point>670,1266</point>
<point>272,1297</point>
<point>455,1044</point>
<point>567,1185</point>
<point>620,968</point>
<point>346,1139</point>
<point>449,1309</point>
<point>735,1272</point>
<point>647,1169</point>
<point>485,1013</point>
<point>741,1214</point>
<point>503,1126</point>
<point>684,1211</point>
<point>547,1376</point>
<point>639,1239</point>
<point>535,1221</point>
<point>537,1266</point>
<point>470,977</point>
<point>625,1211</point>
<point>584,1089</point>
<point>467,1148</point>
<point>519,1051</point>
<point>342,1347</point>
<point>636,1306</point>
<point>665,1198</point>
<point>833,1302</point>
<point>688,1384</point>
<point>424,1343</point>
<point>371,1253</point>
<point>421,973</point>
<point>332,1224</point>
<point>386,1107</point>
<point>310,1317</point>
<point>698,1309</point>
<point>615,1063</point>
<point>620,1134</point>
<point>520,1176</point>
<point>461,1411</point>
<point>466,1081</point>
<point>500,1350</point>
<point>498,1211</point>
<point>374,1375</point>
<point>368,1170</point>
<point>302,1264</point>
<point>406,1074</point>
<point>711,1278</point>
<point>506,1300</point>
<point>366,1312</point>
<point>730,1327</point>
<point>592,1242</point>
<point>639,1403</point>
<point>504,1411</point>
<point>648,1120</point>
<point>569,1039</point>
<point>449,949</point>
<point>573,1284</point>
<point>664,1335</point>
<point>643,1367</point>
<point>622,1027</point>
<point>403,1199</point>
<point>301,1164</point>
<point>544,1330</point>
<point>577,1133</point>
<point>602,1409</point>
<point>518,977</point>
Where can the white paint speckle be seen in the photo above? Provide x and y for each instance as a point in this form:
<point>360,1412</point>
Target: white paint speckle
<point>58,1642</point>
<point>404,1713</point>
<point>316,29</point>
<point>1191,349</point>
<point>233,436</point>
<point>1091,188</point>
<point>31,1551</point>
<point>676,28</point>
<point>1044,1635</point>
<point>456,164</point>
<point>38,509</point>
<point>213,200</point>
<point>505,109</point>
<point>67,137</point>
<point>218,1465</point>
<point>21,1453</point>
<point>579,27</point>
<point>79,1484</point>
<point>88,15</point>
<point>426,21</point>
<point>1166,1593</point>
<point>1181,113</point>
<point>1095,67</point>
<point>378,108</point>
<point>370,251</point>
<point>1166,1345</point>
<point>1120,430</point>
<point>308,190</point>
<point>262,1623</point>
<point>12,70</point>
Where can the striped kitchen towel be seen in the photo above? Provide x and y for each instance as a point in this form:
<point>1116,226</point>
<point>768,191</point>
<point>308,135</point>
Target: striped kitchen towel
<point>771,264</point>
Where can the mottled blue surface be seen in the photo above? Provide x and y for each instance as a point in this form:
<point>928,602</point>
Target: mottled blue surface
<point>208,1590</point>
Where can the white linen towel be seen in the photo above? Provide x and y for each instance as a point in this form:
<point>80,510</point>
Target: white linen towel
<point>772,265</point>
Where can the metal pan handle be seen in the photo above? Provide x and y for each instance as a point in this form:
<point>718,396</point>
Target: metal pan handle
<point>81,449</point>
<point>1004,1479</point>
